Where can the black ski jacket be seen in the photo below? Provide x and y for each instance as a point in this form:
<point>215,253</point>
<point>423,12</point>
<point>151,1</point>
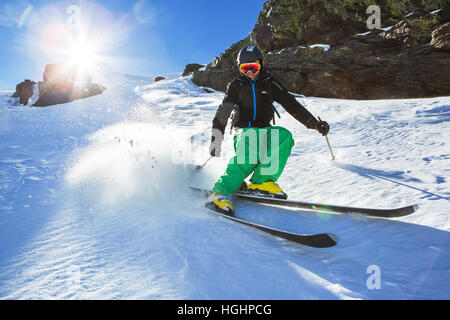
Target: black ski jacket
<point>252,103</point>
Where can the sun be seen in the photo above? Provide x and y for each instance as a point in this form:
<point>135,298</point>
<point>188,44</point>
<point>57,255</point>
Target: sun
<point>82,59</point>
<point>82,55</point>
<point>83,48</point>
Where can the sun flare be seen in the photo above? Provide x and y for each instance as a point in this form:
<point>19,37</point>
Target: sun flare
<point>81,48</point>
<point>82,56</point>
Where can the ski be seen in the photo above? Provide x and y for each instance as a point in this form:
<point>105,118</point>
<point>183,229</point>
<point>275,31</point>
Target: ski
<point>319,207</point>
<point>327,208</point>
<point>317,240</point>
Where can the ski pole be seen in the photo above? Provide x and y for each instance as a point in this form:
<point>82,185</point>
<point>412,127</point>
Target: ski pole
<point>328,143</point>
<point>329,147</point>
<point>201,166</point>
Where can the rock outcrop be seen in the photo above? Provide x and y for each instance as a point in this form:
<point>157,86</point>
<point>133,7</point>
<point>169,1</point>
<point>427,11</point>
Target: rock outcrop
<point>190,68</point>
<point>409,59</point>
<point>24,91</point>
<point>61,84</point>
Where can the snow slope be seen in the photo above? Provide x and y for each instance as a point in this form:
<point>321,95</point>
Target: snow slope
<point>94,202</point>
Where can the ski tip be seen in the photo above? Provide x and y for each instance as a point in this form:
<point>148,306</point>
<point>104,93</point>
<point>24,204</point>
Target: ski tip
<point>334,237</point>
<point>405,211</point>
<point>324,240</point>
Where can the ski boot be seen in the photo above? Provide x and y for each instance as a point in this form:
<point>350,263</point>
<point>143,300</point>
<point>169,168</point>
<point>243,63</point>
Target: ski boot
<point>220,203</point>
<point>267,189</point>
<point>244,187</point>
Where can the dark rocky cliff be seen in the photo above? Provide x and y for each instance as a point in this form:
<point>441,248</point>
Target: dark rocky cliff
<point>411,59</point>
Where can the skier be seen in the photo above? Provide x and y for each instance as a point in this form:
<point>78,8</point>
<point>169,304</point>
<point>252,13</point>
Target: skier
<point>260,148</point>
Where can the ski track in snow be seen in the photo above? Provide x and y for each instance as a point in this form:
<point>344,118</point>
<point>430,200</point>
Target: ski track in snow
<point>94,202</point>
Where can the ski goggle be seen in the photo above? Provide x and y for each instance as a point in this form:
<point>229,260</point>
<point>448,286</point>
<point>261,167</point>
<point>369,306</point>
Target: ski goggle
<point>253,67</point>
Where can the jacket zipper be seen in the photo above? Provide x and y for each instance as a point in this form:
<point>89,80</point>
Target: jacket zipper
<point>254,101</point>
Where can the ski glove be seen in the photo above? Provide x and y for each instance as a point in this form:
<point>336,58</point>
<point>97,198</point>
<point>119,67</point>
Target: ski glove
<point>215,147</point>
<point>216,142</point>
<point>323,127</point>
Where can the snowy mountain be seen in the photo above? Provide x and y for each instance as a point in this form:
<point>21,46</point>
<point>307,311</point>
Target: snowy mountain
<point>95,204</point>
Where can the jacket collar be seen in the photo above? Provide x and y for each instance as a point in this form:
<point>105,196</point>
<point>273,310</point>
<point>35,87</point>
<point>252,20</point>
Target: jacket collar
<point>262,76</point>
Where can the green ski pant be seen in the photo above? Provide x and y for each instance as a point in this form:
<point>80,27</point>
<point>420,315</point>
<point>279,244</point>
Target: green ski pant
<point>261,151</point>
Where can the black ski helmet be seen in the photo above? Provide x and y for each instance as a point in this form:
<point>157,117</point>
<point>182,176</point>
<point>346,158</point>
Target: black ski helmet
<point>249,54</point>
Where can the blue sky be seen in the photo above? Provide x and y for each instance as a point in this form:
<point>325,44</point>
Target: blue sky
<point>141,37</point>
